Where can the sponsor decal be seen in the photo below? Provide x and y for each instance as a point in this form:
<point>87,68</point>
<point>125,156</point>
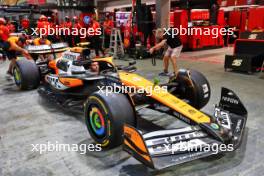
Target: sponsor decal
<point>223,118</point>
<point>201,116</point>
<point>238,126</point>
<point>253,36</point>
<point>205,88</point>
<point>192,111</point>
<point>189,156</point>
<point>214,126</point>
<point>54,81</point>
<point>173,100</point>
<point>175,139</point>
<point>136,79</point>
<point>230,100</point>
<point>181,117</point>
<point>237,62</point>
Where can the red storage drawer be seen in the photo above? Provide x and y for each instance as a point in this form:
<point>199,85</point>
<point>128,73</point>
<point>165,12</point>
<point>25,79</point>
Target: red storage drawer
<point>213,38</point>
<point>234,18</point>
<point>219,41</point>
<point>198,14</point>
<point>181,19</point>
<point>221,18</point>
<point>231,2</point>
<point>255,18</point>
<point>171,19</point>
<point>195,41</point>
<point>241,2</point>
<point>205,39</point>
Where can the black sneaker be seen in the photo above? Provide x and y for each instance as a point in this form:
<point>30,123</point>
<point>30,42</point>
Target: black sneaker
<point>164,74</point>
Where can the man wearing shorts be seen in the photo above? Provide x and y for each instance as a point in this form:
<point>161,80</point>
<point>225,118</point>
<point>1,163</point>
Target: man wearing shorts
<point>14,47</point>
<point>173,52</point>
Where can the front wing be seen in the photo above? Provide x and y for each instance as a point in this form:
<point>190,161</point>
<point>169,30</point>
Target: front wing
<point>165,148</point>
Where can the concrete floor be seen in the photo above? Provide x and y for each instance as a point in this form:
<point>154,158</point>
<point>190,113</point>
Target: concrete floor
<point>27,119</point>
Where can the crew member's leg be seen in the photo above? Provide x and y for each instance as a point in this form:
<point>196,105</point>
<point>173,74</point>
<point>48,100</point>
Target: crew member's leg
<point>174,64</point>
<point>107,41</point>
<point>12,57</point>
<point>98,45</point>
<point>175,54</point>
<point>166,62</point>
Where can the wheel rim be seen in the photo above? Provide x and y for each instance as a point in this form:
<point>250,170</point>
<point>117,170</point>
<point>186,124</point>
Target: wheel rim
<point>97,122</point>
<point>17,76</point>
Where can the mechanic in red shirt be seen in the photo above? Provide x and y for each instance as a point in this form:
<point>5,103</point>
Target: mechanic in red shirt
<point>11,27</point>
<point>76,25</point>
<point>4,30</point>
<point>43,24</point>
<point>25,23</point>
<point>4,34</point>
<point>52,37</point>
<point>94,37</point>
<point>108,26</point>
<point>67,25</point>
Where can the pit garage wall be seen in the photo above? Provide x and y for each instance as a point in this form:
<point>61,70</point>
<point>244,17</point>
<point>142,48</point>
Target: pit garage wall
<point>162,8</point>
<point>111,5</point>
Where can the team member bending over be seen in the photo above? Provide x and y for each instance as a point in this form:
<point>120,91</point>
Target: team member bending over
<point>15,47</point>
<point>173,52</point>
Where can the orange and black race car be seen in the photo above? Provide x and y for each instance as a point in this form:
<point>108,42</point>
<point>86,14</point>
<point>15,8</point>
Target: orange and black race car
<point>112,117</point>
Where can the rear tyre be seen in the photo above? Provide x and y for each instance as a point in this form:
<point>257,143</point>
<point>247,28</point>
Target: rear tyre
<point>105,116</point>
<point>26,74</point>
<point>194,88</point>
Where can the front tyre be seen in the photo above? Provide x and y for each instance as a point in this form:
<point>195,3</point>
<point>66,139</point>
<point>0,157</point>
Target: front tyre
<point>105,116</point>
<point>193,87</point>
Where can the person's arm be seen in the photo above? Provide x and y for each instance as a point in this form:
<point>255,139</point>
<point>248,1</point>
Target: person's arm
<point>24,52</point>
<point>158,46</point>
<point>15,47</point>
<point>48,42</point>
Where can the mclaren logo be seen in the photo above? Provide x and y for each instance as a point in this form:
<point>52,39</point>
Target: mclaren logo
<point>237,62</point>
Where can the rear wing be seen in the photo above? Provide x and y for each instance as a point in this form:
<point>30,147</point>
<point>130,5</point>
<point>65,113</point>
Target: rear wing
<point>47,49</point>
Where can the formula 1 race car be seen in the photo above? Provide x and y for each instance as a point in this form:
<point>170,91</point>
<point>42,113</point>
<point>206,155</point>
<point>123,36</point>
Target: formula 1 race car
<point>111,117</point>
